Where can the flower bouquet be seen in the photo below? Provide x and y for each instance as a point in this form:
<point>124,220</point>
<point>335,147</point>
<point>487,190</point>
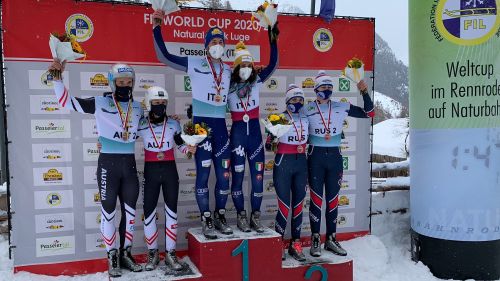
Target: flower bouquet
<point>266,14</point>
<point>64,48</point>
<point>193,134</point>
<point>277,125</point>
<point>168,6</point>
<point>355,70</point>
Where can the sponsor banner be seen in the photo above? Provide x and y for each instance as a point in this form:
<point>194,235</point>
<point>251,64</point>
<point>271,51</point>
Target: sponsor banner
<point>92,197</point>
<point>454,119</point>
<point>350,125</point>
<point>51,152</point>
<point>347,201</point>
<point>187,171</point>
<point>90,175</point>
<point>348,144</point>
<point>275,84</point>
<point>143,81</point>
<point>46,104</point>
<point>51,176</point>
<point>348,183</point>
<point>42,80</point>
<point>331,47</point>
<point>95,243</point>
<point>349,163</point>
<point>90,151</point>
<point>53,199</point>
<point>89,128</point>
<point>46,129</point>
<point>269,207</point>
<point>182,83</point>
<point>269,186</point>
<point>187,192</point>
<point>55,246</point>
<point>196,49</point>
<point>54,222</point>
<point>339,98</point>
<point>268,167</point>
<point>345,220</point>
<point>345,85</point>
<point>271,106</point>
<point>188,214</point>
<point>94,81</point>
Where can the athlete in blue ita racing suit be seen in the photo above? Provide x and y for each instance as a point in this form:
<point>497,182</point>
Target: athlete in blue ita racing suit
<point>210,86</point>
<point>117,119</point>
<point>289,172</point>
<point>246,137</point>
<point>326,119</point>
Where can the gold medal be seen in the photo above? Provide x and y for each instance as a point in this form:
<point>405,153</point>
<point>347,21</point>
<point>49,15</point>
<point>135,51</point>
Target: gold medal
<point>125,136</point>
<point>218,98</point>
<point>300,149</point>
<point>160,155</point>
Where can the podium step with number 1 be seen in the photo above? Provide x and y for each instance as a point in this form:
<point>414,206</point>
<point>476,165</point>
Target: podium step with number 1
<point>255,256</point>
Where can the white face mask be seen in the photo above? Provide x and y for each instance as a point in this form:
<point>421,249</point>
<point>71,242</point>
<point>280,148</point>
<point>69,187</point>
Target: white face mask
<point>216,51</point>
<point>245,73</point>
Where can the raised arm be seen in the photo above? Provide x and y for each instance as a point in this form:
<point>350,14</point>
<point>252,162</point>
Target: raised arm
<point>274,54</point>
<point>368,109</point>
<point>65,100</point>
<point>176,62</point>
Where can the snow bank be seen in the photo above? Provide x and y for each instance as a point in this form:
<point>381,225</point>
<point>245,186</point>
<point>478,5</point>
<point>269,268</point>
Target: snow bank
<point>389,137</point>
<point>3,188</point>
<point>388,104</point>
<point>391,166</point>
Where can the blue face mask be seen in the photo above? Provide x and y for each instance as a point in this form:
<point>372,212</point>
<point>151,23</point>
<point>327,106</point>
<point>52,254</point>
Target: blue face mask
<point>326,94</point>
<point>294,107</point>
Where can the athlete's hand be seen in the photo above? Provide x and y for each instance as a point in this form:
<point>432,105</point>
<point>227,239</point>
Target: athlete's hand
<point>57,67</point>
<point>191,149</point>
<point>362,87</point>
<point>158,16</point>
<point>99,146</point>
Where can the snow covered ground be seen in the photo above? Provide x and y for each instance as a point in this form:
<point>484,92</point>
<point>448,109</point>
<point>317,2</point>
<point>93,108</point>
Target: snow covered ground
<point>389,137</point>
<point>389,105</point>
<point>385,255</point>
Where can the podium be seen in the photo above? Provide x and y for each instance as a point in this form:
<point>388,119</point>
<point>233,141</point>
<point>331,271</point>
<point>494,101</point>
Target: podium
<point>257,256</point>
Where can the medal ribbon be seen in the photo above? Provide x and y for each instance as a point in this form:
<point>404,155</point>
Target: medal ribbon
<point>327,126</point>
<point>120,111</point>
<point>299,135</point>
<point>159,145</point>
<point>217,79</point>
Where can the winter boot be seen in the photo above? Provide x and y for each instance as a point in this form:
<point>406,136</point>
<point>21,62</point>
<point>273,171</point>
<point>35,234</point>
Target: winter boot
<point>220,222</point>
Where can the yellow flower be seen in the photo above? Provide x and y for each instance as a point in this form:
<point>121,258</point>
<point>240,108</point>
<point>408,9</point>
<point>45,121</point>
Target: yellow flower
<point>274,117</point>
<point>202,131</point>
<point>282,116</point>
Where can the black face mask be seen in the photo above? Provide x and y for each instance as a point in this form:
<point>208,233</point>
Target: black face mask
<point>123,93</point>
<point>159,110</point>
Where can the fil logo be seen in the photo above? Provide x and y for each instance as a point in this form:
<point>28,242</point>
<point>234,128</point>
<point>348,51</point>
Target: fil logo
<point>54,199</point>
<point>344,85</point>
<point>467,22</point>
